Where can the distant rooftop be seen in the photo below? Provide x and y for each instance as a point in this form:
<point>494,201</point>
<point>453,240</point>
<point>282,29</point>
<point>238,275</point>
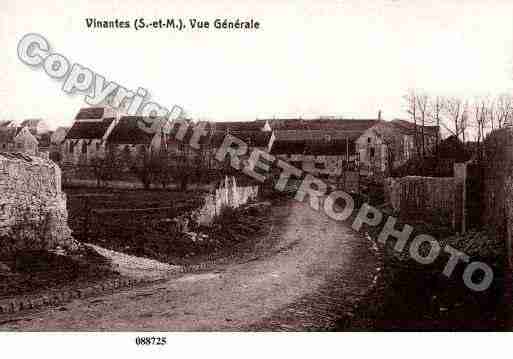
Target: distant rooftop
<point>408,127</point>
<point>127,131</point>
<point>90,113</point>
<point>89,130</point>
<point>320,124</point>
<point>237,126</point>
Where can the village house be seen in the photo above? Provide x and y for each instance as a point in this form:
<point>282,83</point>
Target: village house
<point>389,144</point>
<point>18,139</point>
<point>323,147</point>
<point>326,147</point>
<point>86,139</point>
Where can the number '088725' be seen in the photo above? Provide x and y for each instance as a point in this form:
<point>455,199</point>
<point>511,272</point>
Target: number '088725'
<point>150,340</point>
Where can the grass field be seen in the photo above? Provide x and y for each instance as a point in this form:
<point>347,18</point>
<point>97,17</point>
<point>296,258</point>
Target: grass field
<point>141,223</point>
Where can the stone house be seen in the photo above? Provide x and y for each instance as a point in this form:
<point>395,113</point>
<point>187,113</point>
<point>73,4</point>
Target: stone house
<point>323,147</point>
<point>18,139</point>
<point>389,144</point>
<point>320,152</point>
<point>87,137</point>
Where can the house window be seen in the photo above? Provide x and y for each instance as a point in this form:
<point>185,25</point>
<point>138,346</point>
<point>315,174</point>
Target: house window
<point>372,152</point>
<point>4,145</point>
<point>84,147</point>
<point>18,145</point>
<point>368,140</point>
<point>97,146</point>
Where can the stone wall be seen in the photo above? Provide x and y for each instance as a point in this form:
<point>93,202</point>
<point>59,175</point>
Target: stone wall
<point>432,199</point>
<point>33,211</point>
<point>498,173</point>
<point>227,195</point>
<point>497,196</point>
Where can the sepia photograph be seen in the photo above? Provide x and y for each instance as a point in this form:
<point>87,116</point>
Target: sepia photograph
<point>320,168</point>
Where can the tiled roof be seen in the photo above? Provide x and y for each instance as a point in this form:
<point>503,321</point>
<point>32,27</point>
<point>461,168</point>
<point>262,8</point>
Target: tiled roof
<point>254,138</point>
<point>314,142</point>
<point>214,139</point>
<point>322,124</point>
<point>316,135</point>
<point>238,126</point>
<point>89,129</point>
<point>408,127</point>
<point>337,147</point>
<point>90,113</point>
<point>127,131</point>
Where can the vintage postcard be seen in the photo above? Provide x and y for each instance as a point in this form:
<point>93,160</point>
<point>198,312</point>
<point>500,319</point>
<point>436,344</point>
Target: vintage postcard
<point>255,166</point>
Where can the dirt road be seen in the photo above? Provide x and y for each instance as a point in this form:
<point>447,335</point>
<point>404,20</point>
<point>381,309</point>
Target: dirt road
<point>316,272</point>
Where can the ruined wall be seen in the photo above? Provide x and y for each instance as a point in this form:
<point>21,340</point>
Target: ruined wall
<point>33,211</point>
<point>432,199</point>
<point>228,195</point>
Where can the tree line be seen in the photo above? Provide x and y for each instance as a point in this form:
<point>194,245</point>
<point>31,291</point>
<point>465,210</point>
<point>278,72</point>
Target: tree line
<point>469,120</point>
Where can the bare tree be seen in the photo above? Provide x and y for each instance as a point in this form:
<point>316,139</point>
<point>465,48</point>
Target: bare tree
<point>411,109</point>
<point>456,113</point>
<point>480,118</point>
<point>492,114</point>
<point>422,100</point>
<point>503,110</point>
<point>436,113</point>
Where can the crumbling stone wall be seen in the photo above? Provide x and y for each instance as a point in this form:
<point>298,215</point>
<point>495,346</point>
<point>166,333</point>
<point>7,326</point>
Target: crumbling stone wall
<point>228,195</point>
<point>33,211</point>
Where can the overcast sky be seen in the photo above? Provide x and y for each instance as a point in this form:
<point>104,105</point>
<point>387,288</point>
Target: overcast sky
<point>310,58</point>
